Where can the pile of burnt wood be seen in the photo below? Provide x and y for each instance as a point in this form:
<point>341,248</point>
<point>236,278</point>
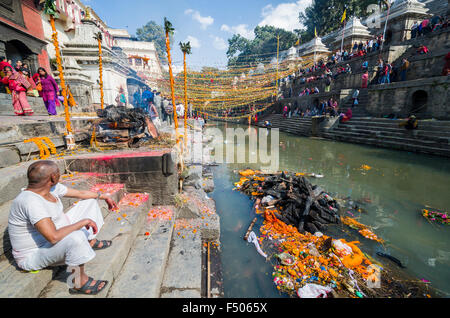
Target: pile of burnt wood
<point>297,202</point>
<point>128,127</point>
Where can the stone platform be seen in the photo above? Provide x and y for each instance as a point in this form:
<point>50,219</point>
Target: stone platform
<point>14,130</point>
<point>36,103</point>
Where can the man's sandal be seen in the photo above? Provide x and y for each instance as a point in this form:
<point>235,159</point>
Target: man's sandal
<point>87,287</point>
<point>106,244</point>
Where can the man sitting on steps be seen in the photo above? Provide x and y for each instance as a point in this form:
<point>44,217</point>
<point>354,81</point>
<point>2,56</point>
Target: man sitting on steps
<point>42,235</point>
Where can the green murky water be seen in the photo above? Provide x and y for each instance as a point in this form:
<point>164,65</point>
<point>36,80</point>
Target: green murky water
<point>398,186</point>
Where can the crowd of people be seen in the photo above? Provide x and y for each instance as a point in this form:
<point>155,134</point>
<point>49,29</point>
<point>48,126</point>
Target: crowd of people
<point>159,107</point>
<point>436,23</point>
<point>326,107</point>
<point>19,82</point>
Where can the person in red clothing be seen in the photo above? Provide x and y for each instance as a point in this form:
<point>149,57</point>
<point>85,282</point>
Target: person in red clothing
<point>347,116</point>
<point>18,87</point>
<point>446,70</point>
<point>365,79</point>
<point>4,63</point>
<point>422,50</point>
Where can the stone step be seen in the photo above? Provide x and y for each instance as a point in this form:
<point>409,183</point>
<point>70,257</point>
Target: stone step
<point>5,245</point>
<point>389,144</point>
<point>429,126</point>
<point>384,138</point>
<point>108,263</point>
<point>143,271</point>
<point>364,122</point>
<point>36,103</point>
<point>440,137</point>
<point>183,274</point>
<point>15,130</point>
<point>9,157</point>
<point>14,178</point>
<point>13,281</point>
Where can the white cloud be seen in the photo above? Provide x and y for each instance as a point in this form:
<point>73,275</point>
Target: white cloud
<point>195,43</point>
<point>241,29</point>
<point>219,43</point>
<point>204,21</point>
<point>175,68</point>
<point>284,15</point>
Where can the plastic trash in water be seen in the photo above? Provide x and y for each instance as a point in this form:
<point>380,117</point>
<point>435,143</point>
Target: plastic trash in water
<point>313,291</point>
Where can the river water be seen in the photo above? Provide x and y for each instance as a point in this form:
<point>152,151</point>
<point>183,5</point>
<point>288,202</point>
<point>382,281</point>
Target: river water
<point>398,186</point>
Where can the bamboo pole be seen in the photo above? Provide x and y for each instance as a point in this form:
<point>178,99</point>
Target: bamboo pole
<point>208,282</point>
<point>385,26</point>
<point>100,65</point>
<point>61,76</point>
<point>185,101</point>
<point>278,60</point>
<point>169,58</point>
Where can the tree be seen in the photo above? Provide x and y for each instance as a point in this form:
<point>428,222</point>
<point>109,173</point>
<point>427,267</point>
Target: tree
<point>325,15</point>
<point>152,32</point>
<point>243,52</point>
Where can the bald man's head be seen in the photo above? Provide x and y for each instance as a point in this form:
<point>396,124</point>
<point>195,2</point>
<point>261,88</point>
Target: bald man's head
<point>42,172</point>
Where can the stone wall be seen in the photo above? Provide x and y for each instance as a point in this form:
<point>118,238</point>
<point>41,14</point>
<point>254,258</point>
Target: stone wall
<point>426,98</point>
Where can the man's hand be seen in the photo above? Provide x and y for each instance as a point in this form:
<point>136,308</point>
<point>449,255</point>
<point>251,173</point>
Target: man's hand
<point>112,206</point>
<point>91,224</point>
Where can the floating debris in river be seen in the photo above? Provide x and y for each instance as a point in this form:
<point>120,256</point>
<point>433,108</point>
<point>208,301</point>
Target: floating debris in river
<point>436,216</point>
<point>364,230</point>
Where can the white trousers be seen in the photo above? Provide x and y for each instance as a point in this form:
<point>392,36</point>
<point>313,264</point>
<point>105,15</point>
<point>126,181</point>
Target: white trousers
<point>74,249</point>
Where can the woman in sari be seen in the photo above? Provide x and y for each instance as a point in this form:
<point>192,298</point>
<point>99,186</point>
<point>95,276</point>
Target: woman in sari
<point>18,85</point>
<point>347,116</point>
<point>50,91</point>
<point>365,79</point>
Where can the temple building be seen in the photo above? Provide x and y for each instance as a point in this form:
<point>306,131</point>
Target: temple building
<point>22,34</point>
<point>142,56</point>
<point>77,26</point>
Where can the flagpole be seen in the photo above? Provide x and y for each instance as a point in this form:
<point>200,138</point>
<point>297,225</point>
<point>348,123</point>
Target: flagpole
<point>315,33</point>
<point>342,42</point>
<point>278,58</point>
<point>385,26</point>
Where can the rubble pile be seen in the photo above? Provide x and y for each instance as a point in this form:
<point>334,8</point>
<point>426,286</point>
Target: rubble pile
<point>129,127</point>
<point>295,200</point>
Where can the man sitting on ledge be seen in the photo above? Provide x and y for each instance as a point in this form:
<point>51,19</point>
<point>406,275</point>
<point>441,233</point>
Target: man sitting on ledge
<point>42,235</point>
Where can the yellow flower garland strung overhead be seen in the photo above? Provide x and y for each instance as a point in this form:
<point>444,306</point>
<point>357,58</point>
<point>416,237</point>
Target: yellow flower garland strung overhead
<point>212,92</point>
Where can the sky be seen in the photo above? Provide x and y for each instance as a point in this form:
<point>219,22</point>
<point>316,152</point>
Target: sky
<point>207,24</point>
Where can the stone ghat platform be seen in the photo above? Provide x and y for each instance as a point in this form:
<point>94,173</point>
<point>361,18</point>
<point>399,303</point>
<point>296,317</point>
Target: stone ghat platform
<point>149,171</point>
<point>432,136</point>
<point>14,130</point>
<point>157,251</point>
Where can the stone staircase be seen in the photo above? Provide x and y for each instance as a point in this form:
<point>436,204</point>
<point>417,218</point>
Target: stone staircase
<point>436,6</point>
<point>360,109</point>
<point>432,137</point>
<point>14,130</point>
<point>36,103</point>
<point>17,283</point>
<point>146,258</point>
<point>295,125</point>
